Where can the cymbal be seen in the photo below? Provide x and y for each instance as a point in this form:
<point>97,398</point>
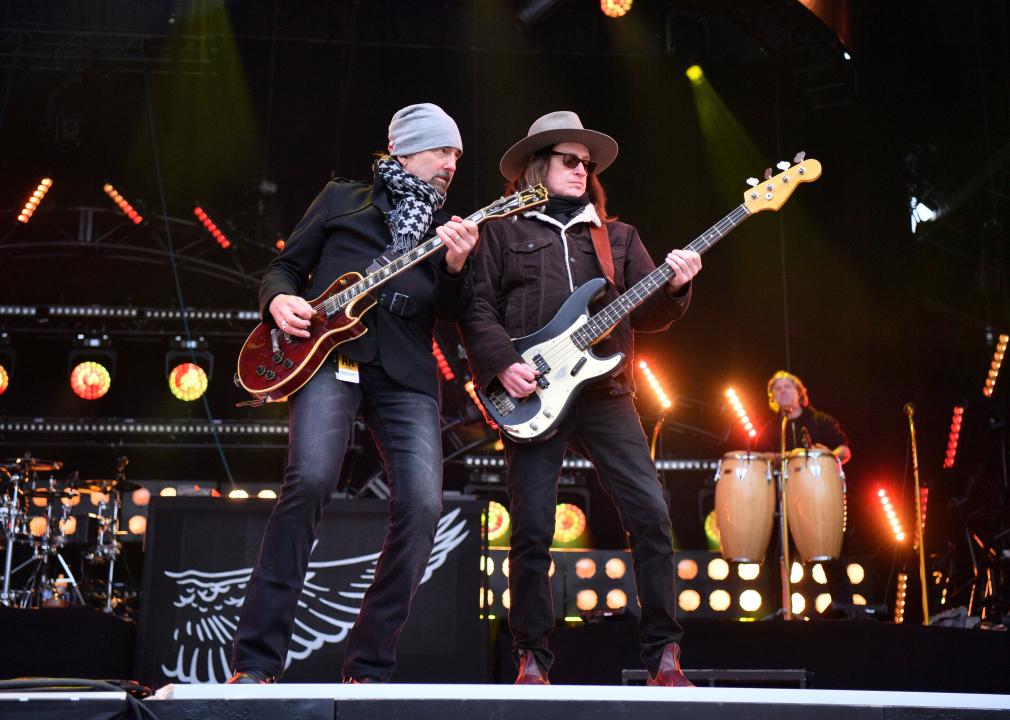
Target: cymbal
<point>32,464</point>
<point>105,485</point>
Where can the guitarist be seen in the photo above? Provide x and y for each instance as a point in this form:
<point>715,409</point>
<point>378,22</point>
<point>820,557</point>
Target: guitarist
<point>388,375</point>
<point>524,269</point>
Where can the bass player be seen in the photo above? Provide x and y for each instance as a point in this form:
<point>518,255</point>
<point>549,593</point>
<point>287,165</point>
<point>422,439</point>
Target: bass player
<point>524,270</point>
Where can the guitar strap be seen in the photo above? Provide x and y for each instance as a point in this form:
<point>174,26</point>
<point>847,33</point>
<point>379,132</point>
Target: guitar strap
<point>601,243</point>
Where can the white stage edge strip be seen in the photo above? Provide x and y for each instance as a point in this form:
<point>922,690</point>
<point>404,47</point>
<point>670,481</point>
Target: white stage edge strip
<point>605,693</point>
<point>74,696</point>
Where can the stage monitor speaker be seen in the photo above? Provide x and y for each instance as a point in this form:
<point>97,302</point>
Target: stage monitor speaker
<point>200,553</point>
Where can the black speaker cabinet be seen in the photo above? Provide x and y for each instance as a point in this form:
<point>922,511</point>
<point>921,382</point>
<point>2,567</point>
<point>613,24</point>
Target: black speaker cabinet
<point>200,552</point>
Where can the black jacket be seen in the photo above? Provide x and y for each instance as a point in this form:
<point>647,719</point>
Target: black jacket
<point>525,268</point>
<point>344,230</point>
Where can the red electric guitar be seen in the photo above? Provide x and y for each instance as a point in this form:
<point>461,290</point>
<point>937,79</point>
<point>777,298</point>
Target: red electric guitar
<point>273,365</point>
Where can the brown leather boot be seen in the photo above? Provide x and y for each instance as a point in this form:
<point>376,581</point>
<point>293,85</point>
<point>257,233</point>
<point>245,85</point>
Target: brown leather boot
<point>529,672</point>
<point>252,677</point>
<point>669,673</point>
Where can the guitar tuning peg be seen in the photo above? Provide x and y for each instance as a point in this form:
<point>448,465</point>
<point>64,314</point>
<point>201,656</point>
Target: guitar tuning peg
<point>768,173</point>
<point>799,157</point>
<point>752,181</point>
<point>782,165</point>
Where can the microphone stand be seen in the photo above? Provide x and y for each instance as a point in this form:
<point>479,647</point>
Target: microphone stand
<point>787,606</point>
<point>909,410</point>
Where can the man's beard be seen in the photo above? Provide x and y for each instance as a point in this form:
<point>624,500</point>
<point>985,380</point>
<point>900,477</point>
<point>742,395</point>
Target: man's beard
<point>443,186</point>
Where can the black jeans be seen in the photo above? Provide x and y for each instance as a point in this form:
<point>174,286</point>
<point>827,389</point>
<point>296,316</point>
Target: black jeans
<point>607,429</point>
<point>405,426</point>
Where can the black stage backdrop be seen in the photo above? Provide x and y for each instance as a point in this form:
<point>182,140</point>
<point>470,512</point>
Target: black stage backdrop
<point>200,554</point>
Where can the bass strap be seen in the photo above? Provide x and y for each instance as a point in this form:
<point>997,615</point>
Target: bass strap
<point>601,243</point>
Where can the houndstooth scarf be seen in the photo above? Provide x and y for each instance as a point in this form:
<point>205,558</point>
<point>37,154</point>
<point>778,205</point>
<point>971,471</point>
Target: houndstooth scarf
<point>416,203</point>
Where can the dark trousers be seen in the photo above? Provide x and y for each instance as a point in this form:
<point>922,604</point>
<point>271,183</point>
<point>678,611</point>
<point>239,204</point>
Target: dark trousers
<point>606,428</point>
<point>406,429</point>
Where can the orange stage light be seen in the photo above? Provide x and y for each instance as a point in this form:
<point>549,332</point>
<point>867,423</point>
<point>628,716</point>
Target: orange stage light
<point>569,523</point>
<point>443,364</point>
<point>994,366</point>
<point>122,203</point>
<point>34,200</point>
<point>741,413</point>
<point>892,516</point>
<point>212,227</point>
<point>656,385</point>
<point>90,380</point>
<point>187,381</point>
<point>615,8</point>
<point>953,436</point>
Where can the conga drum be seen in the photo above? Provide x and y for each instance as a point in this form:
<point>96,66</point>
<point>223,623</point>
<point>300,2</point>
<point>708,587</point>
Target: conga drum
<point>815,503</point>
<point>744,505</point>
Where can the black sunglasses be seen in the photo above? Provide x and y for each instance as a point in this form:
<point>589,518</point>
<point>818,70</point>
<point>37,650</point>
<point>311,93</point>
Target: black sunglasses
<point>571,161</point>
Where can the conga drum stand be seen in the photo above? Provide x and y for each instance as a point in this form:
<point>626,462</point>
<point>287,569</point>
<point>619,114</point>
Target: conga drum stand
<point>787,595</point>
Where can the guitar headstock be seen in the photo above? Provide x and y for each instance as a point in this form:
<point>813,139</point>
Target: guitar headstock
<point>771,194</point>
<point>517,202</point>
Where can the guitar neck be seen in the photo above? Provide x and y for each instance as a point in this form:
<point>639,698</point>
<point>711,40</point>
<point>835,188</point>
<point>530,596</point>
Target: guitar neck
<point>387,272</point>
<point>604,321</point>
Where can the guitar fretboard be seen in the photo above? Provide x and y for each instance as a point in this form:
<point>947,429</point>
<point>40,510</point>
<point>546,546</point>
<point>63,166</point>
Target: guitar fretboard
<point>335,303</point>
<point>604,321</point>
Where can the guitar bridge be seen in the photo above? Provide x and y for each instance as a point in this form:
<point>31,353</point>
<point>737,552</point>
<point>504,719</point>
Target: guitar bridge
<point>502,402</point>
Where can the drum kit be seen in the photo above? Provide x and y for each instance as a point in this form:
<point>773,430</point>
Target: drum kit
<point>804,489</point>
<point>37,520</point>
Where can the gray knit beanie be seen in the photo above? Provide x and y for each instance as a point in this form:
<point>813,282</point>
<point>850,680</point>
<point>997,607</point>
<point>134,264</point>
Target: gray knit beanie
<point>422,127</point>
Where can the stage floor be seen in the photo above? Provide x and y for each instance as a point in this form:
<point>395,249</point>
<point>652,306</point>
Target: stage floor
<point>449,702</point>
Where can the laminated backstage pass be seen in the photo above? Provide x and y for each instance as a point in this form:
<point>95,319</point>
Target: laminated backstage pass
<point>347,369</point>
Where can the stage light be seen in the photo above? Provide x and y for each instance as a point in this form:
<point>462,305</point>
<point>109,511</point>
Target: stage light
<point>615,8</point>
<point>211,227</point>
<point>498,521</point>
<point>921,212</point>
<point>505,566</point>
<point>858,599</point>
<point>719,600</point>
<point>617,599</point>
<point>748,571</point>
<point>899,598</point>
<point>994,366</point>
<point>506,599</point>
<point>741,413</point>
<point>689,600</point>
<point>267,494</point>
<point>892,516</point>
<point>687,569</point>
<point>586,600</point>
<point>923,497</point>
<point>796,573</point>
<point>656,385</point>
<point>953,436</point>
<point>718,569</point>
<point>92,365</point>
<point>569,523</point>
<point>6,362</point>
<point>750,600</point>
<point>712,537</point>
<point>141,497</point>
<point>168,492</point>
<point>822,602</point>
<point>695,74</point>
<point>69,526</point>
<point>490,566</point>
<point>137,524</point>
<point>856,573</point>
<point>123,205</point>
<point>615,568</point>
<point>34,200</point>
<point>98,498</point>
<point>818,576</point>
<point>443,364</point>
<point>585,568</point>
<point>38,526</point>
<point>799,604</point>
<point>279,244</point>
<point>238,494</point>
<point>188,368</point>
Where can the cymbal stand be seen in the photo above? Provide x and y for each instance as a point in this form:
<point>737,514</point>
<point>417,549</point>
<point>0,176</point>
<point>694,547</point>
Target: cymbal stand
<point>10,530</point>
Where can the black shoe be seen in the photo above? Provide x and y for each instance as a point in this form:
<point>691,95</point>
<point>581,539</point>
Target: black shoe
<point>251,677</point>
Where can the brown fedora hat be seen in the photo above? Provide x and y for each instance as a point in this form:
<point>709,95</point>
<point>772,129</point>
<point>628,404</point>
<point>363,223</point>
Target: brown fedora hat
<point>551,129</point>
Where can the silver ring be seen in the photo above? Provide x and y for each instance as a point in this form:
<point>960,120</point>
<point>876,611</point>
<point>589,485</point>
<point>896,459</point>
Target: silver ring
<point>284,325</point>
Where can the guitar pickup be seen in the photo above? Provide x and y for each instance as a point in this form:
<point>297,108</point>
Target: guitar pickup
<point>543,368</point>
<point>503,403</point>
